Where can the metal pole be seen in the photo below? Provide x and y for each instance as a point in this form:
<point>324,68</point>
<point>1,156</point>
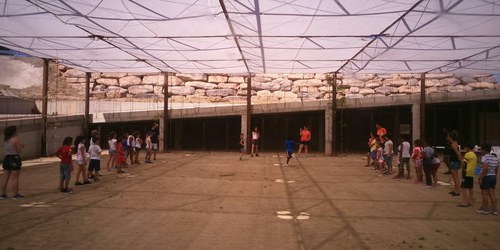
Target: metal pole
<point>334,111</point>
<point>422,106</point>
<point>45,99</point>
<point>249,113</point>
<point>165,111</point>
<point>87,108</point>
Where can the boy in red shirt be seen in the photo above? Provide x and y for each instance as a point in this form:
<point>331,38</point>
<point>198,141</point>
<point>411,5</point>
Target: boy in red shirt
<point>64,153</point>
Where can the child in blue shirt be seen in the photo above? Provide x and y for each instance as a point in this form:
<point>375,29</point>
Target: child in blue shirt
<point>289,143</point>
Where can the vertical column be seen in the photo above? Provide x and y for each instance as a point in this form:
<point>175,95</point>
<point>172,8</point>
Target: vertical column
<point>249,113</point>
<point>328,131</point>
<point>164,129</point>
<point>422,106</point>
<point>86,117</point>
<point>415,118</point>
<point>334,111</point>
<point>45,99</point>
<point>244,129</point>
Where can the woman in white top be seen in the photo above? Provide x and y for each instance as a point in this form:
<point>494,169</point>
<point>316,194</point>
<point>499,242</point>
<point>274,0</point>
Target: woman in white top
<point>12,162</point>
<point>112,150</point>
<point>255,142</point>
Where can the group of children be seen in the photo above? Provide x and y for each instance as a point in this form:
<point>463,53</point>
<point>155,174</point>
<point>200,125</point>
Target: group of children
<point>426,164</point>
<point>89,162</point>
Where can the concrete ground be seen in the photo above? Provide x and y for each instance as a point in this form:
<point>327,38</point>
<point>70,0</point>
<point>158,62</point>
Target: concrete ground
<point>200,200</point>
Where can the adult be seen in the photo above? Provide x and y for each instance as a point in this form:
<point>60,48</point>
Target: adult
<point>112,151</point>
<point>447,151</point>
<point>12,162</point>
<point>455,162</point>
<point>255,142</point>
<point>305,137</point>
<point>155,142</point>
<point>381,132</point>
<point>428,155</point>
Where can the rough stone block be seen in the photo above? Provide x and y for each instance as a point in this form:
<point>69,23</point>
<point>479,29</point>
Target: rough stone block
<point>177,98</point>
<point>179,90</point>
<point>373,84</point>
<point>235,99</point>
<point>438,76</point>
<point>481,85</point>
<point>294,76</point>
<point>397,82</point>
<point>200,92</point>
<point>228,86</point>
<point>350,82</point>
<point>197,99</point>
<point>264,93</point>
<point>265,86</point>
<point>326,89</point>
<point>365,77</point>
<point>284,94</point>
<point>108,81</point>
<point>99,88</point>
<point>200,85</point>
<point>267,76</point>
<point>308,83</point>
<point>354,90</point>
<point>140,89</point>
<point>128,81</point>
<point>450,81</point>
<point>237,79</point>
<point>217,78</point>
<point>409,89</point>
<point>74,73</point>
<point>366,91</point>
<point>221,92</point>
<point>386,90</point>
<point>243,92</point>
<point>152,79</point>
<point>409,76</point>
<point>489,78</point>
<point>113,75</point>
<point>216,99</point>
<point>158,89</point>
<point>309,76</point>
<point>192,77</point>
<point>320,76</point>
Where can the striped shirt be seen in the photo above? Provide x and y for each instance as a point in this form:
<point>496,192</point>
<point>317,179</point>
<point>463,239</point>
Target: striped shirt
<point>492,162</point>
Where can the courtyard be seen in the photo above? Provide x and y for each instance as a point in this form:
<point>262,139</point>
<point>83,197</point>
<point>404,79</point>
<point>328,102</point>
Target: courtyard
<point>203,200</point>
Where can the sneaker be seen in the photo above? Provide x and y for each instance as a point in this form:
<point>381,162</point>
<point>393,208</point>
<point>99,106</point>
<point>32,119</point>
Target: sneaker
<point>494,212</point>
<point>87,182</point>
<point>481,211</point>
<point>17,196</point>
<point>3,197</point>
<point>67,190</point>
<point>78,183</point>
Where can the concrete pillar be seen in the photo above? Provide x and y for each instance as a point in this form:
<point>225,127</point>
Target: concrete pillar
<point>244,128</point>
<point>161,135</point>
<point>45,100</point>
<point>328,131</point>
<point>415,120</point>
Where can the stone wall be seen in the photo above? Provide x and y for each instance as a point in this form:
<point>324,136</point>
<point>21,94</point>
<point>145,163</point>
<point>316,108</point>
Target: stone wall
<point>267,88</point>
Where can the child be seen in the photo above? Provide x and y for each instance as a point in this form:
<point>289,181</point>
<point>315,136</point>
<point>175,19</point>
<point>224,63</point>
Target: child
<point>120,154</point>
<point>428,152</point>
<point>487,180</point>
<point>95,159</point>
<point>242,145</point>
<point>149,148</point>
<point>372,145</point>
<point>404,158</point>
<point>436,163</point>
<point>81,160</point>
<point>64,153</point>
<point>138,146</point>
<point>112,150</point>
<point>470,162</point>
<point>289,150</point>
<point>380,158</point>
<point>417,156</point>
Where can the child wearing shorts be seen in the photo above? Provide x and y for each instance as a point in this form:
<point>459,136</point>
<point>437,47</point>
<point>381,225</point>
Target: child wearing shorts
<point>467,184</point>
<point>380,158</point>
<point>95,160</point>
<point>64,153</point>
<point>417,157</point>
<point>487,180</point>
<point>289,143</point>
